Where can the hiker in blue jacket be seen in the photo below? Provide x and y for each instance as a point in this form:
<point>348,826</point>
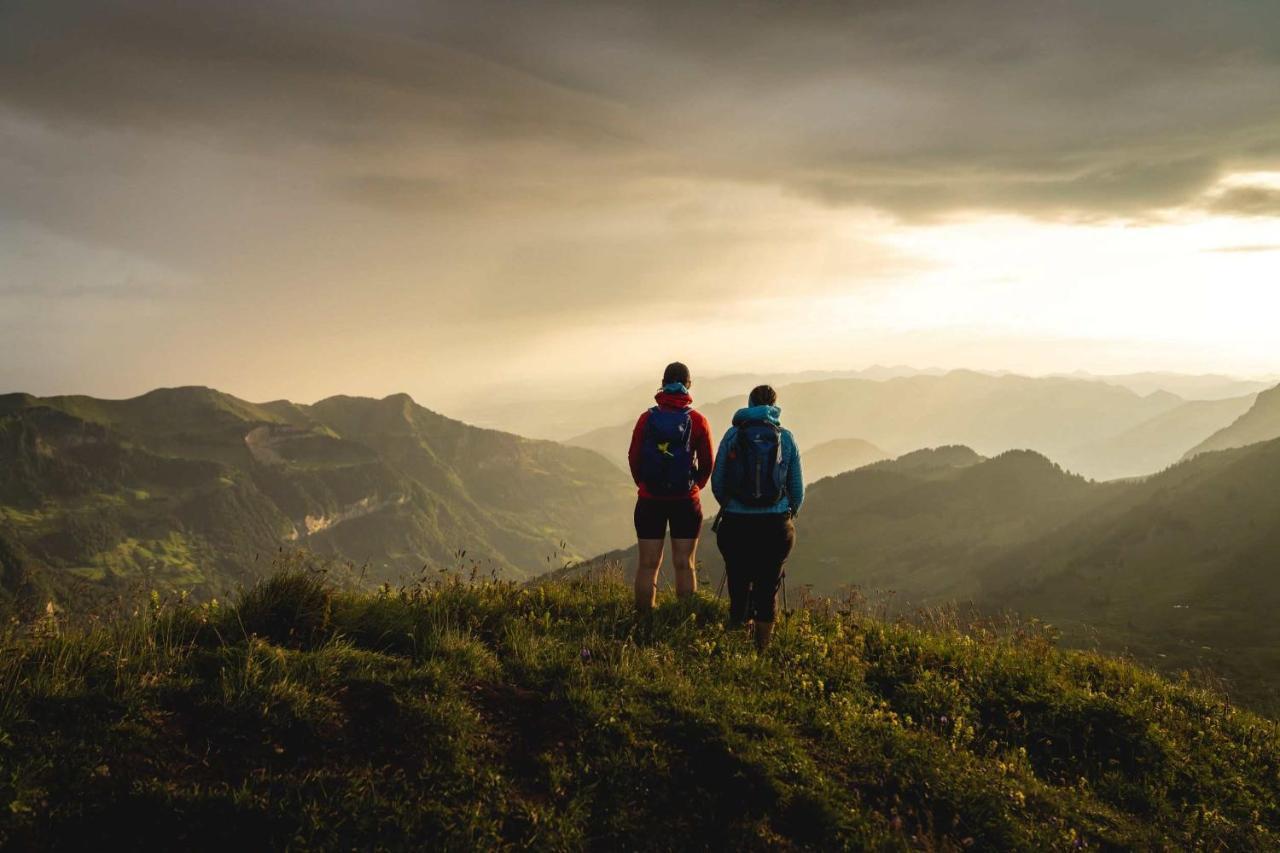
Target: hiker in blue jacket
<point>760,487</point>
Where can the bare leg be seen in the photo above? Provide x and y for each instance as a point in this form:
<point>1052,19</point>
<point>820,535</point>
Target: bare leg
<point>682,554</point>
<point>648,561</point>
<point>764,630</point>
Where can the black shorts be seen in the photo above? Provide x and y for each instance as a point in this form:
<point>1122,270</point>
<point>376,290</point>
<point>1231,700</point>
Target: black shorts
<point>654,514</point>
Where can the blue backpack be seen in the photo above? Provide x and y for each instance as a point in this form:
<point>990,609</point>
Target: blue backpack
<point>666,453</point>
<point>757,469</point>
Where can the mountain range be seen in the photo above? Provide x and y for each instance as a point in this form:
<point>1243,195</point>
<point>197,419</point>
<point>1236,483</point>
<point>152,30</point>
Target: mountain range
<point>837,456</point>
<point>1261,422</point>
<point>562,415</point>
<point>1093,428</point>
<point>191,486</point>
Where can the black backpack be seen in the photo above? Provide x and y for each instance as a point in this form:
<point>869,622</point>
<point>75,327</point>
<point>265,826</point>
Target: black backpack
<point>757,468</point>
<point>666,453</point>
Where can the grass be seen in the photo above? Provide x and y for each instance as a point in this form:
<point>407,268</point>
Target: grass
<point>488,715</point>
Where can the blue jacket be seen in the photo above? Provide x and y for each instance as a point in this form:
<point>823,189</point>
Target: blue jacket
<point>794,496</point>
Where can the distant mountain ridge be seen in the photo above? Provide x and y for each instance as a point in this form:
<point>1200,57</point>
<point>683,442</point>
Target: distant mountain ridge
<point>1084,424</point>
<point>1158,442</point>
<point>191,485</point>
<point>561,415</point>
<point>837,456</point>
<point>1194,387</point>
<point>1260,423</point>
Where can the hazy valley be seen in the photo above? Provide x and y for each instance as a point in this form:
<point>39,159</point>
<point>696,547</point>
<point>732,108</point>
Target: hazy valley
<point>1102,431</point>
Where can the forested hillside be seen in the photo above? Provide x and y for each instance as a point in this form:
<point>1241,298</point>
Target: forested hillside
<point>191,487</point>
<point>1183,569</point>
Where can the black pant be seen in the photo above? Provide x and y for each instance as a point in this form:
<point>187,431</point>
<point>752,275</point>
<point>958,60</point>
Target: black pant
<point>754,548</point>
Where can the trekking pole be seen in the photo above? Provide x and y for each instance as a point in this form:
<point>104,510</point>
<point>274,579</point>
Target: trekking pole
<point>720,589</point>
<point>784,593</point>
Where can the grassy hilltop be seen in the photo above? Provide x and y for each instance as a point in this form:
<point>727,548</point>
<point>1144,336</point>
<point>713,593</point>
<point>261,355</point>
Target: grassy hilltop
<point>493,715</point>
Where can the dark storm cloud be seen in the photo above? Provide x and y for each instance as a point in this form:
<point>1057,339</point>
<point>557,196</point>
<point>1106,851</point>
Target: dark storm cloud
<point>396,192</point>
<point>268,70</point>
<point>915,107</point>
<point>1248,201</point>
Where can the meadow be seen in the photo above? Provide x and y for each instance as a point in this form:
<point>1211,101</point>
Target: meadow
<point>463,713</point>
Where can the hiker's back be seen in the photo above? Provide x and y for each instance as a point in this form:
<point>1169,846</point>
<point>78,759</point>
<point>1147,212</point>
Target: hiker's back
<point>670,459</point>
<point>757,465</point>
<point>758,481</point>
<point>666,453</point>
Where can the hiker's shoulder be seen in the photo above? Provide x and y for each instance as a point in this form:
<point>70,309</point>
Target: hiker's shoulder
<point>699,419</point>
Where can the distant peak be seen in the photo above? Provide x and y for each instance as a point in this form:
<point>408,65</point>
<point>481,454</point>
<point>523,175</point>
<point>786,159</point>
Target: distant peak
<point>969,373</point>
<point>1163,396</point>
<point>182,392</point>
<point>1025,463</point>
<point>15,401</point>
<point>1020,456</point>
<point>947,456</point>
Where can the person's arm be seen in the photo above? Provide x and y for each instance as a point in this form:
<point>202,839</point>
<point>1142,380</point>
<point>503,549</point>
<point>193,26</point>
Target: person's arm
<point>795,479</point>
<point>702,449</point>
<point>633,452</point>
<point>718,472</point>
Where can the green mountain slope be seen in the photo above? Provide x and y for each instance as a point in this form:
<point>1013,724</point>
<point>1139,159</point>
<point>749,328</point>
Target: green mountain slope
<point>1259,423</point>
<point>191,486</point>
<point>923,525</point>
<point>1182,567</point>
<point>498,717</point>
<point>923,532</point>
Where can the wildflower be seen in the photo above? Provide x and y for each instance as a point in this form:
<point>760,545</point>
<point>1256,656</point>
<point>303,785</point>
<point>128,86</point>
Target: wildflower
<point>585,655</point>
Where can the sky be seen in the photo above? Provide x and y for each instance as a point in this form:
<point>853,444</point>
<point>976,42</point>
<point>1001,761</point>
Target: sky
<point>283,198</point>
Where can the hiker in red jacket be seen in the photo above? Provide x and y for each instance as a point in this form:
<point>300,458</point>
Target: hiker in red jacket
<point>671,461</point>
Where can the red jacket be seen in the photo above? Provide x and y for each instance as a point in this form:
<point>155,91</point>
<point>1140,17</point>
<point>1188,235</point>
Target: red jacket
<point>700,439</point>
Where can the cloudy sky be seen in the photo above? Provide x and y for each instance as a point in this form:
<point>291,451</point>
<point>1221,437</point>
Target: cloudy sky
<point>302,197</point>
